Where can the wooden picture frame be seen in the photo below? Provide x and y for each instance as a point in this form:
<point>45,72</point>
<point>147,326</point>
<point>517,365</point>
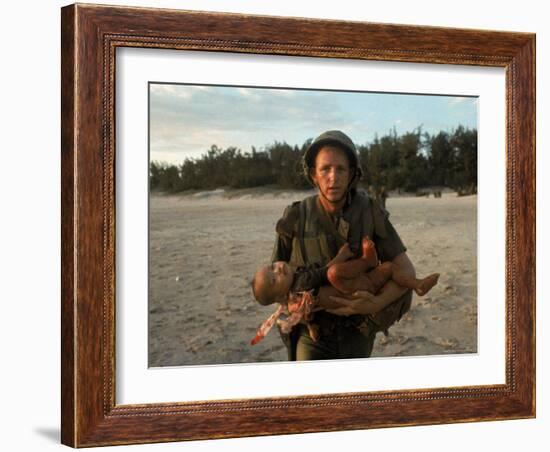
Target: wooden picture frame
<point>90,36</point>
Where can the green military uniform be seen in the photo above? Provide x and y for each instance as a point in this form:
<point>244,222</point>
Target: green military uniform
<point>308,235</point>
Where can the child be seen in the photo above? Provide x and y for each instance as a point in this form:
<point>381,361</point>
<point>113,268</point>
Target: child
<point>294,290</point>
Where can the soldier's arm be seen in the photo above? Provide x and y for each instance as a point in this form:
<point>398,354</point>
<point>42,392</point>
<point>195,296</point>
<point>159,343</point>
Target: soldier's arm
<point>281,249</point>
<point>285,231</point>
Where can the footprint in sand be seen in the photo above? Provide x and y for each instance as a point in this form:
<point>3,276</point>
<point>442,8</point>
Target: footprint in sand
<point>407,318</point>
<point>422,301</point>
<point>385,340</point>
<point>447,343</point>
<point>401,340</point>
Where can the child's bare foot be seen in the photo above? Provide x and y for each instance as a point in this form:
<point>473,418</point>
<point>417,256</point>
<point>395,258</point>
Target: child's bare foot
<point>426,284</point>
<point>369,251</point>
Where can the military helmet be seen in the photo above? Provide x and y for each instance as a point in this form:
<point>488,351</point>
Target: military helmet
<point>340,140</point>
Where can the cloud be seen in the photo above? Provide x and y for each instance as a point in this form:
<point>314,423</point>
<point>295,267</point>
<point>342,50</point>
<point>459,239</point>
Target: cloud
<point>184,117</point>
<point>185,120</point>
<point>455,101</point>
<point>159,91</point>
<point>247,92</point>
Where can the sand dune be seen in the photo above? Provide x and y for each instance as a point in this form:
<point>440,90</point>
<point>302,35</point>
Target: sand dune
<point>205,247</point>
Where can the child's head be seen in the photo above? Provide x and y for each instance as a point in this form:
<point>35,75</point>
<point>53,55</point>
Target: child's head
<point>272,283</point>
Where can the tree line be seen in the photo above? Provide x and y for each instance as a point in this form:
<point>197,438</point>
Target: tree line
<point>406,162</point>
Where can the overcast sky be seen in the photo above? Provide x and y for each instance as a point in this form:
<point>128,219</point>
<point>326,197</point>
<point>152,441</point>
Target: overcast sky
<point>186,120</point>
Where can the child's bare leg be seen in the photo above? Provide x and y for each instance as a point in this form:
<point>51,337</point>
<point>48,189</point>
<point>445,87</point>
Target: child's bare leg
<point>363,282</point>
<point>425,284</point>
<point>369,252</point>
<point>377,277</point>
<point>420,286</point>
<point>343,275</point>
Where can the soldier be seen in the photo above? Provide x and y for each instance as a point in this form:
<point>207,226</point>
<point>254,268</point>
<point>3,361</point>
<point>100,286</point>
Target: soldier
<point>312,231</point>
<point>382,196</point>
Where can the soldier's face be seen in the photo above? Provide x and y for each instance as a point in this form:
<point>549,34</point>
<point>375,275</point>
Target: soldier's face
<point>332,173</point>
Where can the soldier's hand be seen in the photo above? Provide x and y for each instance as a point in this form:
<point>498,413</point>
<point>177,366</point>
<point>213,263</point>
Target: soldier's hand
<point>360,302</point>
<point>344,254</point>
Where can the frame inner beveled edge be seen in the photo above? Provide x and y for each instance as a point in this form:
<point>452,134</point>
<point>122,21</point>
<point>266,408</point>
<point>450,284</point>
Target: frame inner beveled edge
<point>110,43</point>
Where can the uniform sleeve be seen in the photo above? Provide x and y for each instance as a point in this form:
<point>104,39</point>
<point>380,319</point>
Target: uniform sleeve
<point>310,278</point>
<point>281,249</point>
<point>391,245</point>
<point>285,230</point>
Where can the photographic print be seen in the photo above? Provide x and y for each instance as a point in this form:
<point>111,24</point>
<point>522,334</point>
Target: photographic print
<point>240,273</point>
<point>161,243</point>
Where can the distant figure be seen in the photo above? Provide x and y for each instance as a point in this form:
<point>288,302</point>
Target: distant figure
<point>371,191</point>
<point>470,190</point>
<point>382,196</point>
<point>421,192</point>
<point>378,193</point>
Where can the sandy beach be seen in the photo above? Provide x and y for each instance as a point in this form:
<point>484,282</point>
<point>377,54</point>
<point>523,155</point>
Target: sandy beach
<point>205,247</point>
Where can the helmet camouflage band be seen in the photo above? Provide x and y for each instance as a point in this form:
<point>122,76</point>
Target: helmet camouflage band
<point>340,140</point>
